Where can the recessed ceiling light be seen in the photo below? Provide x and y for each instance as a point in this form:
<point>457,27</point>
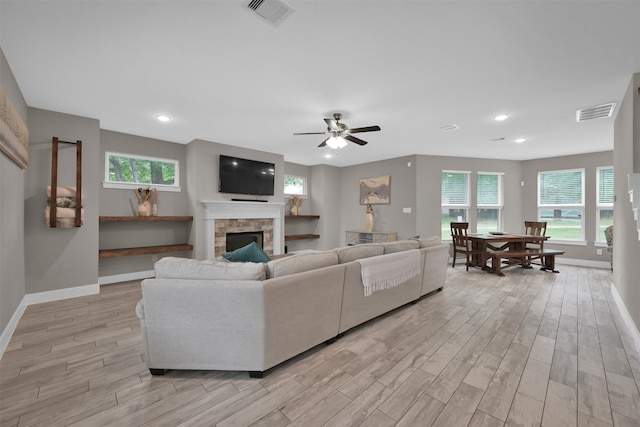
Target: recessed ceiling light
<point>500,117</point>
<point>328,156</point>
<point>163,118</point>
<point>519,140</point>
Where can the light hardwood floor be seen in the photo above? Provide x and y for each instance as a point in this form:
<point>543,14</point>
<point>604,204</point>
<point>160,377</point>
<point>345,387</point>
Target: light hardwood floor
<point>527,349</point>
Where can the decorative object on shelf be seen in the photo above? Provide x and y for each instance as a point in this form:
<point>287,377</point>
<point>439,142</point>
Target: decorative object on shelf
<point>14,134</point>
<point>296,204</point>
<point>154,208</point>
<point>144,204</point>
<point>368,219</point>
<point>375,191</point>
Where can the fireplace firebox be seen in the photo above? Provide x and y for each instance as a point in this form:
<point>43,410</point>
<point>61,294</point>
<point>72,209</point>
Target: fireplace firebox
<point>244,238</point>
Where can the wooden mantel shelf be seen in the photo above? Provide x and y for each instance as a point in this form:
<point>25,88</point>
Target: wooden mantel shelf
<point>144,218</point>
<point>302,217</point>
<point>144,250</point>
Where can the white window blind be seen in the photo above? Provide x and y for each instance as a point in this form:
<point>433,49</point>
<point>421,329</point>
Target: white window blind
<point>561,188</point>
<point>605,186</point>
<point>455,188</point>
<point>489,191</point>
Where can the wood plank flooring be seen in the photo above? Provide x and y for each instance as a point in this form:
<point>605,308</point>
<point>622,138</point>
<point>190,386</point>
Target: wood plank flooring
<point>531,348</point>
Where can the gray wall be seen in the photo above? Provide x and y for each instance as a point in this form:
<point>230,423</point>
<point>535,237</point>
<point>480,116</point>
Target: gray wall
<point>202,181</point>
<point>626,160</point>
<point>385,217</point>
<point>429,178</point>
<point>587,161</point>
<point>61,258</point>
<point>120,202</point>
<point>12,187</point>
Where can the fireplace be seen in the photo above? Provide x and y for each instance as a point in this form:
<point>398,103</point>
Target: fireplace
<point>224,217</point>
<point>243,238</point>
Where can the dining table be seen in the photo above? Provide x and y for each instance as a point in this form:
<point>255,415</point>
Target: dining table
<point>486,243</point>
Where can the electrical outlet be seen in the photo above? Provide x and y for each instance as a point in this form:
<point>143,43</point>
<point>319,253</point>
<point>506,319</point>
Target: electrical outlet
<point>599,251</point>
<point>154,258</point>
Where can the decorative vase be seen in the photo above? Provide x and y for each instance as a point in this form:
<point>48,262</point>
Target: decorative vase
<point>154,210</point>
<point>294,210</point>
<point>368,219</point>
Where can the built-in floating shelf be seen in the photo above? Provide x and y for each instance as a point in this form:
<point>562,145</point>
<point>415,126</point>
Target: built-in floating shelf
<point>287,217</point>
<point>144,218</point>
<point>301,237</point>
<point>144,250</point>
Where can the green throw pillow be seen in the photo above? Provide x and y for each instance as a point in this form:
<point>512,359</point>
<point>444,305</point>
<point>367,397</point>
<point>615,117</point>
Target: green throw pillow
<point>250,253</point>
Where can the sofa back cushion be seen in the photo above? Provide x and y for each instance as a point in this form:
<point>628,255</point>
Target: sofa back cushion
<point>429,241</point>
<point>400,246</point>
<point>352,253</point>
<point>298,263</point>
<point>184,268</point>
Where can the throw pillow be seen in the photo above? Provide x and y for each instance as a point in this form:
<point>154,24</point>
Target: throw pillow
<point>250,253</point>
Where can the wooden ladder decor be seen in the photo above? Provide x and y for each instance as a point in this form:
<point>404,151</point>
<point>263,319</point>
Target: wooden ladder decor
<point>54,182</point>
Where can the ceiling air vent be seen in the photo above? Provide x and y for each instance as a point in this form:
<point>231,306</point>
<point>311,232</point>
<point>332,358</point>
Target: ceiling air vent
<point>498,139</point>
<point>597,112</point>
<point>272,11</point>
<point>449,128</point>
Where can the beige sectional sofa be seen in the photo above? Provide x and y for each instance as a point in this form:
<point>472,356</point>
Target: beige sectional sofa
<point>216,315</point>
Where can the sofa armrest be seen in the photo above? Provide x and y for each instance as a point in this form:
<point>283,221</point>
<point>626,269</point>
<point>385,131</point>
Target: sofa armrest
<point>204,324</point>
<point>435,267</point>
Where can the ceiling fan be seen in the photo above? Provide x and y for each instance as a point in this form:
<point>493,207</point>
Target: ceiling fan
<point>340,133</point>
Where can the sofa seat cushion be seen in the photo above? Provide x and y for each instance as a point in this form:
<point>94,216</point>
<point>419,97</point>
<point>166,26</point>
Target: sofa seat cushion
<point>298,263</point>
<point>352,253</point>
<point>185,268</point>
<point>400,246</point>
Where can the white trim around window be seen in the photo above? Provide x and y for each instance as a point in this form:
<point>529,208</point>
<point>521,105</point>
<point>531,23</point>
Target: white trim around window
<point>123,185</point>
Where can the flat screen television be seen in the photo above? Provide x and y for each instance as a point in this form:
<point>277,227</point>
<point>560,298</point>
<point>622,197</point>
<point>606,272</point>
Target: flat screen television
<point>244,176</point>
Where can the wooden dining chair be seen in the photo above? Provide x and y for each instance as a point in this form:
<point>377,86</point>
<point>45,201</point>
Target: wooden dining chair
<point>461,244</point>
<point>535,228</point>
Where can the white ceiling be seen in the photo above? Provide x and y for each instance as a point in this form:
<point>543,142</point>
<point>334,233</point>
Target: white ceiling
<point>225,75</point>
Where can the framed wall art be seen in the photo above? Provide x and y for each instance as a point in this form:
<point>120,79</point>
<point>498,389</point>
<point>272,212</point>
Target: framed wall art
<point>375,191</point>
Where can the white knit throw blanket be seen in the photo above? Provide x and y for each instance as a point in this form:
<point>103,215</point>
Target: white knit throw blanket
<point>389,270</point>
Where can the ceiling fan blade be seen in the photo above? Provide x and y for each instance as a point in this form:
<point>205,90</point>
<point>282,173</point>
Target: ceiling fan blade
<point>364,129</point>
<point>311,133</point>
<point>354,139</point>
<point>323,143</point>
<point>332,124</point>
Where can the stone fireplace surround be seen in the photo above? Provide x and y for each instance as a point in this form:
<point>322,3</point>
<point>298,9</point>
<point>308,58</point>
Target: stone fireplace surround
<point>234,216</point>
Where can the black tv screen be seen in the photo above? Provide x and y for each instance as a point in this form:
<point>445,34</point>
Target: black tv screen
<point>244,176</point>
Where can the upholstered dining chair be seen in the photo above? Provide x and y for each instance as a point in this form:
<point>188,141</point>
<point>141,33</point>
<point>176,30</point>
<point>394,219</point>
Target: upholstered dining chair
<point>461,244</point>
<point>535,228</point>
<point>608,234</point>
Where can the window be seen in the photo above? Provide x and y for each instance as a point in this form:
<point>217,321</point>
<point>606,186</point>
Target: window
<point>295,185</point>
<point>131,171</point>
<point>454,200</point>
<point>604,201</point>
<point>490,202</point>
<point>561,203</point>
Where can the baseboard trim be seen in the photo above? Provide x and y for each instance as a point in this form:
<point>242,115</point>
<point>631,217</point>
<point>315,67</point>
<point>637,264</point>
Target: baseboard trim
<point>126,277</point>
<point>605,265</point>
<point>626,317</point>
<point>37,298</point>
<point>11,326</point>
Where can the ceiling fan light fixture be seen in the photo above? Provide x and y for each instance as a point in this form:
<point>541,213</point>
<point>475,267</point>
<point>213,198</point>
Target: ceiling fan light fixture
<point>336,142</point>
